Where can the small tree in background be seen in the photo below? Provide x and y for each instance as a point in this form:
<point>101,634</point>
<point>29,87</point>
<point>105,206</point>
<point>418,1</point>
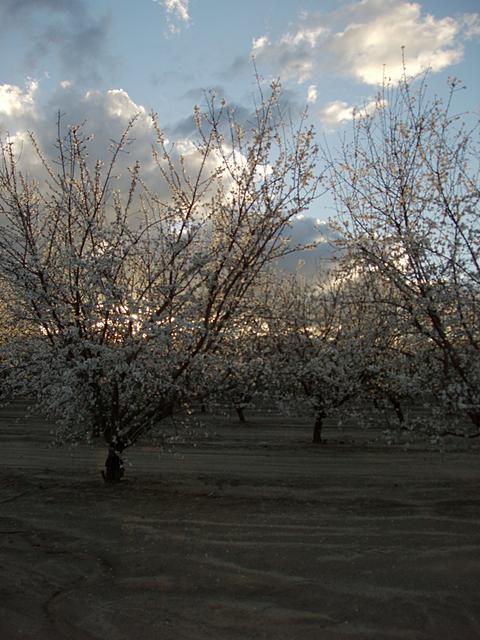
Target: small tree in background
<point>126,293</point>
<point>324,344</point>
<point>241,370</point>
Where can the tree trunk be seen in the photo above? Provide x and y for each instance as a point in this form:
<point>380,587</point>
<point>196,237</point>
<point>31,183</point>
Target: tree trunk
<point>394,401</point>
<point>240,414</point>
<point>113,466</point>
<point>474,417</point>
<point>317,428</point>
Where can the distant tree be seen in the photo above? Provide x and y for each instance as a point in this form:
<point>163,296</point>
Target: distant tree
<point>241,369</point>
<point>400,357</point>
<point>13,331</point>
<point>408,194</point>
<point>325,344</point>
<point>127,293</point>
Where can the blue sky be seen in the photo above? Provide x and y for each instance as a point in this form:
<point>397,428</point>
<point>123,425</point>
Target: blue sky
<point>105,59</point>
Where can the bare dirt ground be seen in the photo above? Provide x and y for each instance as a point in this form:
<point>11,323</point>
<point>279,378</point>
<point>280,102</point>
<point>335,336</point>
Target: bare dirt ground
<point>253,533</point>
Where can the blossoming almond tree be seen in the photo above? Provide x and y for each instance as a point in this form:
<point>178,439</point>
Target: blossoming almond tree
<point>126,293</point>
<point>408,195</point>
<point>325,344</point>
<point>240,372</point>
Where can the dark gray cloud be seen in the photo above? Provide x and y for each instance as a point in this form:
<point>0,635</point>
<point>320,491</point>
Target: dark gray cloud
<point>12,10</point>
<point>186,127</point>
<point>241,64</point>
<point>64,29</point>
<point>197,94</point>
<point>289,107</point>
<point>318,257</point>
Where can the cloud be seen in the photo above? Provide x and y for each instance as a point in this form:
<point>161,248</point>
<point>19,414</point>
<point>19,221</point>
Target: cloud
<point>288,103</point>
<point>19,113</point>
<point>195,95</point>
<point>377,32</point>
<point>312,94</point>
<point>364,40</point>
<point>66,29</point>
<point>259,43</point>
<point>186,127</point>
<point>177,11</point>
<point>293,54</point>
<point>337,112</point>
<point>115,103</point>
<point>106,115</point>
<point>15,101</point>
<point>309,231</point>
<point>471,23</point>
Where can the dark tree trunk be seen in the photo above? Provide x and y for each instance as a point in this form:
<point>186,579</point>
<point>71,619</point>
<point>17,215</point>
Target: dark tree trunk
<point>113,466</point>
<point>475,418</point>
<point>317,428</point>
<point>240,414</point>
<point>394,401</point>
<point>203,408</point>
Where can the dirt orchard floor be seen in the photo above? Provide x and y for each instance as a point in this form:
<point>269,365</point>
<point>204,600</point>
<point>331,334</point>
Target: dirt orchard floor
<point>253,533</point>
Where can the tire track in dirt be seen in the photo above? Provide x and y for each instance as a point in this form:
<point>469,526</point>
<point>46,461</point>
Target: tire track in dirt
<point>229,542</point>
<point>58,564</point>
<point>247,579</point>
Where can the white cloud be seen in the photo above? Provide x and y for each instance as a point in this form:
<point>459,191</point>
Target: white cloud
<point>337,112</point>
<point>308,36</point>
<point>23,149</point>
<point>312,94</point>
<point>106,115</point>
<point>370,45</point>
<point>259,43</point>
<point>177,10</point>
<point>293,54</point>
<point>19,114</point>
<point>179,7</point>
<point>15,101</point>
<point>364,40</point>
<point>117,104</point>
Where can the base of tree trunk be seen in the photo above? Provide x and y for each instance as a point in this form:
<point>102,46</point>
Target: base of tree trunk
<point>317,430</point>
<point>397,407</point>
<point>114,470</point>
<point>240,414</point>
